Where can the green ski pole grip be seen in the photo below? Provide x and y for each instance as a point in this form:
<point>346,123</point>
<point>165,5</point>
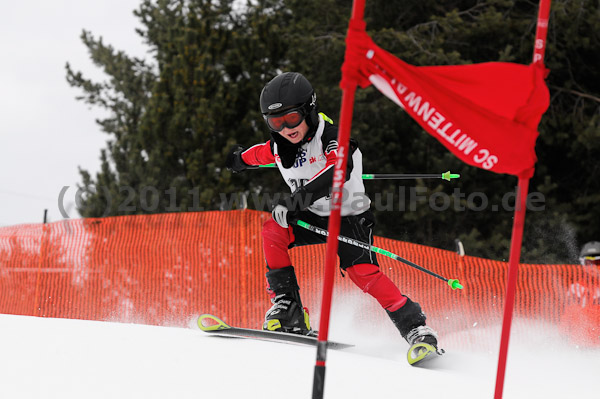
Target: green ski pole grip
<point>448,176</point>
<point>454,284</point>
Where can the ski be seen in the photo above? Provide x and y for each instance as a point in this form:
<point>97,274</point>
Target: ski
<point>216,326</point>
<point>422,351</point>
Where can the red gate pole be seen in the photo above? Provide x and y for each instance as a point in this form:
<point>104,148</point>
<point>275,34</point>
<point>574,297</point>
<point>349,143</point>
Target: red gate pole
<point>347,108</point>
<point>539,49</point>
<point>541,32</point>
<point>511,284</point>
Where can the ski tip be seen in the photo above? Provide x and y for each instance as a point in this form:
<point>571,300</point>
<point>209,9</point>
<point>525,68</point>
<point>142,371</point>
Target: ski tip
<point>422,351</point>
<point>214,323</point>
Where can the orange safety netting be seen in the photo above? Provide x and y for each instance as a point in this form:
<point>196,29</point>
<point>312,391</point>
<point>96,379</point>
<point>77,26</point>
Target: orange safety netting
<point>166,269</point>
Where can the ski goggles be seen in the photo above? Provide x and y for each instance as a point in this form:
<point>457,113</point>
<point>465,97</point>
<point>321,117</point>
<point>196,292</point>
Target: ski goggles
<point>290,120</point>
<point>591,260</point>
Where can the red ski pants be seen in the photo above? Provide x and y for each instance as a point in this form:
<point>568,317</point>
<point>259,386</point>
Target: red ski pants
<point>361,266</point>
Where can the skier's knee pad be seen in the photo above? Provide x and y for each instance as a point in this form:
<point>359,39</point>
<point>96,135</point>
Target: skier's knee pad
<point>371,280</point>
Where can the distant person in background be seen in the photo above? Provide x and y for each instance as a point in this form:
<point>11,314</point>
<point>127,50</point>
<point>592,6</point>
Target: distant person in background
<point>581,317</point>
<point>585,292</point>
<point>590,254</point>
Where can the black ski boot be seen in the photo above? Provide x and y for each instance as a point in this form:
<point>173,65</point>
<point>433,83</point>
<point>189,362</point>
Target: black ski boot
<point>287,314</point>
<point>422,334</point>
<point>410,321</point>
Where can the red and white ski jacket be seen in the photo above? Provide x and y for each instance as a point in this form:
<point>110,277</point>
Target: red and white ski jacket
<point>313,170</point>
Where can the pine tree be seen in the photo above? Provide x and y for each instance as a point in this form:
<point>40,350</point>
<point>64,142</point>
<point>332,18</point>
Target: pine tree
<point>460,32</point>
<point>173,121</point>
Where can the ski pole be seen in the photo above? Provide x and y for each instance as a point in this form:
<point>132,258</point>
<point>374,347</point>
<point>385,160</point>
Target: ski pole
<point>453,283</point>
<point>397,176</point>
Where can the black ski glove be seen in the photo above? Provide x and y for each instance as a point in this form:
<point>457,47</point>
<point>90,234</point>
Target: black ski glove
<point>234,161</point>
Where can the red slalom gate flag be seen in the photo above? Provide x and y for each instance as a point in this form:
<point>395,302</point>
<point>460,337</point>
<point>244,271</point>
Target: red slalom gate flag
<point>486,114</point>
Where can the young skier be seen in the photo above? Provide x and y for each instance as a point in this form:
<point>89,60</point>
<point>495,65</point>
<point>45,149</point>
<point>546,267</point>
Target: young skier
<point>304,147</point>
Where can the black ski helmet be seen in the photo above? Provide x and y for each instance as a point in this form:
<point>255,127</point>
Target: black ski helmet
<point>288,91</point>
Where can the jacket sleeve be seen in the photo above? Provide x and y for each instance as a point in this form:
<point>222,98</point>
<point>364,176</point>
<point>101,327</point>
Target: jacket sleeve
<point>320,184</point>
<point>259,154</point>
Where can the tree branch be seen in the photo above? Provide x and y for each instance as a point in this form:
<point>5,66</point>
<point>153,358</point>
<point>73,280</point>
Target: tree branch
<point>577,93</point>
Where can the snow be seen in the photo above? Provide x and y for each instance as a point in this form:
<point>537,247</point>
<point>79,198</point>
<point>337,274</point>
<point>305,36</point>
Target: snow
<point>60,358</point>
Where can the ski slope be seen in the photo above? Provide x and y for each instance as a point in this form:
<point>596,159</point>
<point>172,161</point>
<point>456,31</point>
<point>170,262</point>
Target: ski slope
<point>59,358</point>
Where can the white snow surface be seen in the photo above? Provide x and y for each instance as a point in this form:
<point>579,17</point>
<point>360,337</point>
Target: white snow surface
<point>60,358</point>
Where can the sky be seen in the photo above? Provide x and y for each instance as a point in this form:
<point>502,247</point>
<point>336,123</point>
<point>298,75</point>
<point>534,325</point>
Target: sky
<point>45,133</point>
<point>60,358</point>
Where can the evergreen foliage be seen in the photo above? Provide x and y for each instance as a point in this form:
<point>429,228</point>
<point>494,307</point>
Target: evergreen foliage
<point>173,121</point>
